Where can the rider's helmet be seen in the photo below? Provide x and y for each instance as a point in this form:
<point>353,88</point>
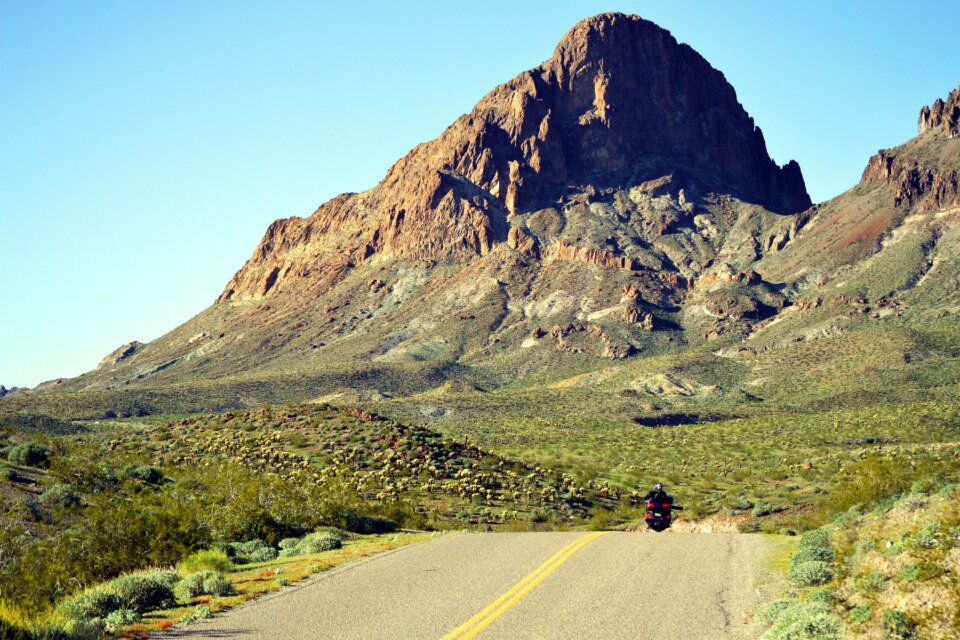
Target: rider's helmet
<point>658,487</point>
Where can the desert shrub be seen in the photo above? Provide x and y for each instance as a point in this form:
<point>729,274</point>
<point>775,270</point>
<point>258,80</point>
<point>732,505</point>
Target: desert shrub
<point>927,537</point>
<point>60,496</point>
<point>207,560</point>
<point>29,454</point>
<point>861,613</point>
<point>252,551</point>
<point>200,613</point>
<point>94,603</point>
<point>142,592</point>
<point>288,543</point>
<point>9,474</point>
<point>313,543</point>
<point>338,533</point>
<point>120,618</point>
<point>823,596</point>
<point>147,474</point>
<point>218,585</point>
<point>871,582</point>
<point>897,625</point>
<point>809,574</point>
<point>369,524</point>
<point>821,554</point>
<point>791,620</point>
<point>211,583</point>
<point>163,576</point>
<point>769,612</point>
<point>814,546</point>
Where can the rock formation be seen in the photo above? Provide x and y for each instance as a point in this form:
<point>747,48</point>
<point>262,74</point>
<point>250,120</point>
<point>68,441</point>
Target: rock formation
<point>927,180</point>
<point>943,118</point>
<point>619,101</point>
<point>120,354</point>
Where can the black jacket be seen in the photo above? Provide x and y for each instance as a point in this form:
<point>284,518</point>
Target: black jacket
<point>658,496</point>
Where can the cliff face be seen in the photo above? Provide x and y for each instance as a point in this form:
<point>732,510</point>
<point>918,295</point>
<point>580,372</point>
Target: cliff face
<point>619,101</point>
<point>923,173</point>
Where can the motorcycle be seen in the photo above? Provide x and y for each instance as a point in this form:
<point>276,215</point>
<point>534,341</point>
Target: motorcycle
<point>659,515</point>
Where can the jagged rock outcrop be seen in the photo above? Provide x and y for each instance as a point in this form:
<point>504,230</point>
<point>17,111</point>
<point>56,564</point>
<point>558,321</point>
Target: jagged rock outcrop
<point>942,117</point>
<point>915,185</point>
<point>619,101</point>
<point>120,354</point>
<point>923,181</point>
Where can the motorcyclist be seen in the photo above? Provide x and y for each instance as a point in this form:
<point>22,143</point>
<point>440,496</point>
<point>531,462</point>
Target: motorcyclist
<point>658,495</point>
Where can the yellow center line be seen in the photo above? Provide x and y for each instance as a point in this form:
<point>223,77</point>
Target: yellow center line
<point>498,607</point>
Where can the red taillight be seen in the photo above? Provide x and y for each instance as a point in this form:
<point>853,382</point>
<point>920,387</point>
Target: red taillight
<point>668,516</point>
<point>666,505</point>
<point>650,505</point>
<point>649,516</point>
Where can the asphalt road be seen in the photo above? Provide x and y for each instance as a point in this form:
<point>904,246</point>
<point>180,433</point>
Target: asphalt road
<point>520,585</point>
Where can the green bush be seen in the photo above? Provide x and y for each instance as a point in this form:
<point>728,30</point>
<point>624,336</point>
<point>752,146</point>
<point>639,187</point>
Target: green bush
<point>770,612</point>
<point>211,583</point>
<point>147,474</point>
<point>207,560</point>
<point>871,582</point>
<point>29,454</point>
<point>143,591</point>
<point>288,543</point>
<point>60,496</point>
<point>824,596</point>
<point>910,572</point>
<point>252,551</point>
<point>897,625</point>
<point>312,543</point>
<point>9,474</point>
<point>861,613</point>
<point>792,620</point>
<point>809,574</point>
<point>821,554</point>
<point>200,613</point>
<point>120,618</point>
<point>94,603</point>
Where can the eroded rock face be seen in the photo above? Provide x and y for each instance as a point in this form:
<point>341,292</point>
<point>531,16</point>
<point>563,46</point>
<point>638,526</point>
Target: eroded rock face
<point>922,172</point>
<point>620,97</point>
<point>942,117</point>
<point>917,186</point>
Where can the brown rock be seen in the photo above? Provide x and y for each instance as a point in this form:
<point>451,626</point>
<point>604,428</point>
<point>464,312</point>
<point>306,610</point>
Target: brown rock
<point>523,242</point>
<point>942,117</point>
<point>617,91</point>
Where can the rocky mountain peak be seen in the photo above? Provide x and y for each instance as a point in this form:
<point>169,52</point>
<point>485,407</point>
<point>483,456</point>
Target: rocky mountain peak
<point>619,103</point>
<point>942,117</point>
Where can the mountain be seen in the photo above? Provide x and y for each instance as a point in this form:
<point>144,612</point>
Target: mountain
<point>608,222</point>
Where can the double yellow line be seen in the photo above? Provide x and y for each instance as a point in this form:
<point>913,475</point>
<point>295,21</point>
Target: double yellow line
<point>498,607</point>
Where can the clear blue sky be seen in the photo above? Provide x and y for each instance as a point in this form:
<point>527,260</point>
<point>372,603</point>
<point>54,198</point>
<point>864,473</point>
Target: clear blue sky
<point>146,145</point>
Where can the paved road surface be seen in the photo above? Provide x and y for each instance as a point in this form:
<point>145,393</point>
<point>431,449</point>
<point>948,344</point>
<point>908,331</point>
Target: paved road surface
<point>520,585</point>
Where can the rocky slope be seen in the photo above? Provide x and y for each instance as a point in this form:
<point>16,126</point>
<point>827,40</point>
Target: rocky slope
<point>615,203</point>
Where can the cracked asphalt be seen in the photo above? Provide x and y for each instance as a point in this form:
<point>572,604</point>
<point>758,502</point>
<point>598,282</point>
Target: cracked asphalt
<point>672,586</point>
